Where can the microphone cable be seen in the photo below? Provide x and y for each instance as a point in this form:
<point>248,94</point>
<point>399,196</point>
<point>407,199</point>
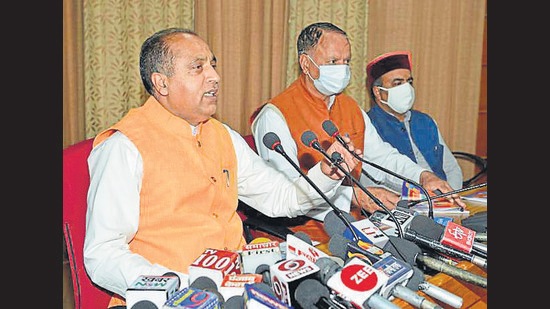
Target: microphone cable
<point>273,142</point>
<point>310,139</point>
<point>332,131</point>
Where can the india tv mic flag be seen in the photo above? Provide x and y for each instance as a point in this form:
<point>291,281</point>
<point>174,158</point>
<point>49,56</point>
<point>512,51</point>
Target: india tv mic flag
<point>215,264</point>
<point>458,236</point>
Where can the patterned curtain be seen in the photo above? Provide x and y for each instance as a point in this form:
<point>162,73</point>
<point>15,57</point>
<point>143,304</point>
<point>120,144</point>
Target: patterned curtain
<point>113,33</point>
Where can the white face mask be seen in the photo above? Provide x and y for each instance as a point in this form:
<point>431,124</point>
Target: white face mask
<point>400,98</point>
<point>333,78</point>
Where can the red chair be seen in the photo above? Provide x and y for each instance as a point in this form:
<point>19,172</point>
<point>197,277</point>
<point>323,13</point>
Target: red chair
<point>76,180</point>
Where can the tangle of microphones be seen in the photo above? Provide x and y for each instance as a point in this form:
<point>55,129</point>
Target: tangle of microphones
<point>310,139</point>
<point>331,129</point>
<point>273,142</point>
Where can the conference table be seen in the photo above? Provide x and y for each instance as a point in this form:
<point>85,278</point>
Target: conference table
<point>473,296</point>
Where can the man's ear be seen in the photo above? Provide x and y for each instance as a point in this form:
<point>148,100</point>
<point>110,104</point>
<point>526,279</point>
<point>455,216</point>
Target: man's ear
<point>159,83</point>
<point>304,63</point>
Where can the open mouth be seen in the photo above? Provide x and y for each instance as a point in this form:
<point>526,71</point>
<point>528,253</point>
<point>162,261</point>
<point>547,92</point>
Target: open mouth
<point>211,93</point>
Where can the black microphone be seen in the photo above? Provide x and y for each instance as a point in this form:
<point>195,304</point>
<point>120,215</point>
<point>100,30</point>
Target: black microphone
<point>272,141</point>
<point>331,129</point>
<point>207,284</point>
<point>311,294</point>
<point>412,254</point>
<point>428,228</point>
<point>409,253</point>
<point>422,231</point>
<point>310,139</point>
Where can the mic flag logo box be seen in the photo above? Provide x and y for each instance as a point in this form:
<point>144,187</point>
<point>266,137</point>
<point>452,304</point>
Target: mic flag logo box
<point>459,237</point>
<point>234,284</point>
<point>287,274</point>
<point>151,289</point>
<point>256,299</point>
<point>191,298</point>
<point>397,271</point>
<point>357,281</point>
<point>367,231</point>
<point>253,255</point>
<point>215,264</point>
<point>295,247</point>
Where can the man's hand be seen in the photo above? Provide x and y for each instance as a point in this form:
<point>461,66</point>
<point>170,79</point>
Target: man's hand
<point>387,197</point>
<point>348,163</point>
<point>432,183</point>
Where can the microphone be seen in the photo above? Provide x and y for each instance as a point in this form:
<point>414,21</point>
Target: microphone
<point>310,139</point>
<point>234,302</point>
<point>256,296</point>
<point>287,274</point>
<point>398,273</point>
<point>420,232</point>
<point>193,298</point>
<point>151,291</point>
<point>311,294</point>
<point>233,285</point>
<point>272,141</point>
<point>359,283</point>
<point>215,264</point>
<point>208,285</point>
<point>331,129</point>
<point>452,234</point>
<point>341,246</point>
<point>254,255</point>
<point>412,254</point>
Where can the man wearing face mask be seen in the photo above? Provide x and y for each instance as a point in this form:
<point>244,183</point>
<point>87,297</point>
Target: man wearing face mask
<point>414,133</point>
<point>324,54</point>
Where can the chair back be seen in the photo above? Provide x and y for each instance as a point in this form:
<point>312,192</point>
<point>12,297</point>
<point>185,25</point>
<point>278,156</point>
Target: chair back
<point>76,181</point>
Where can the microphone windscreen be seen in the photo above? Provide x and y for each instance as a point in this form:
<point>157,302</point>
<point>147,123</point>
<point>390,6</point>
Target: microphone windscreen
<point>144,304</point>
<point>333,224</point>
<point>426,227</point>
<point>234,302</point>
<point>270,139</point>
<point>263,269</point>
<point>327,268</point>
<point>330,128</point>
<point>402,249</point>
<point>265,288</point>
<point>304,237</point>
<point>308,138</point>
<point>308,293</point>
<point>416,279</point>
<point>207,284</point>
<point>338,246</point>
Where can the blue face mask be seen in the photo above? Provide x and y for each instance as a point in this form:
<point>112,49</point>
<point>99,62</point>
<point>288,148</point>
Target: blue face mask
<point>333,78</point>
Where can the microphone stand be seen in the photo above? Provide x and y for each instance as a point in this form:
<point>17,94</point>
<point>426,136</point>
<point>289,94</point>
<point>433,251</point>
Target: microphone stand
<point>329,126</point>
<point>272,141</point>
<point>309,139</point>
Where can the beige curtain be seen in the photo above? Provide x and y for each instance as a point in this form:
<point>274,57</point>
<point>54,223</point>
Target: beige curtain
<point>249,40</point>
<point>255,42</point>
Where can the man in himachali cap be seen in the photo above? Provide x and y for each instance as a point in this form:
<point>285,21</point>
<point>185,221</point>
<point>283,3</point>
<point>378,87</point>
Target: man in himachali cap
<point>385,63</point>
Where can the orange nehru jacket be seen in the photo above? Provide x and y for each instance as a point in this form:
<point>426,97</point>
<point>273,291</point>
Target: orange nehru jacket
<point>304,112</point>
<point>186,203</point>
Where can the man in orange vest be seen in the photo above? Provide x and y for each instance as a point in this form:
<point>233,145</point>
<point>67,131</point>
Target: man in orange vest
<point>165,180</point>
<point>324,54</point>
